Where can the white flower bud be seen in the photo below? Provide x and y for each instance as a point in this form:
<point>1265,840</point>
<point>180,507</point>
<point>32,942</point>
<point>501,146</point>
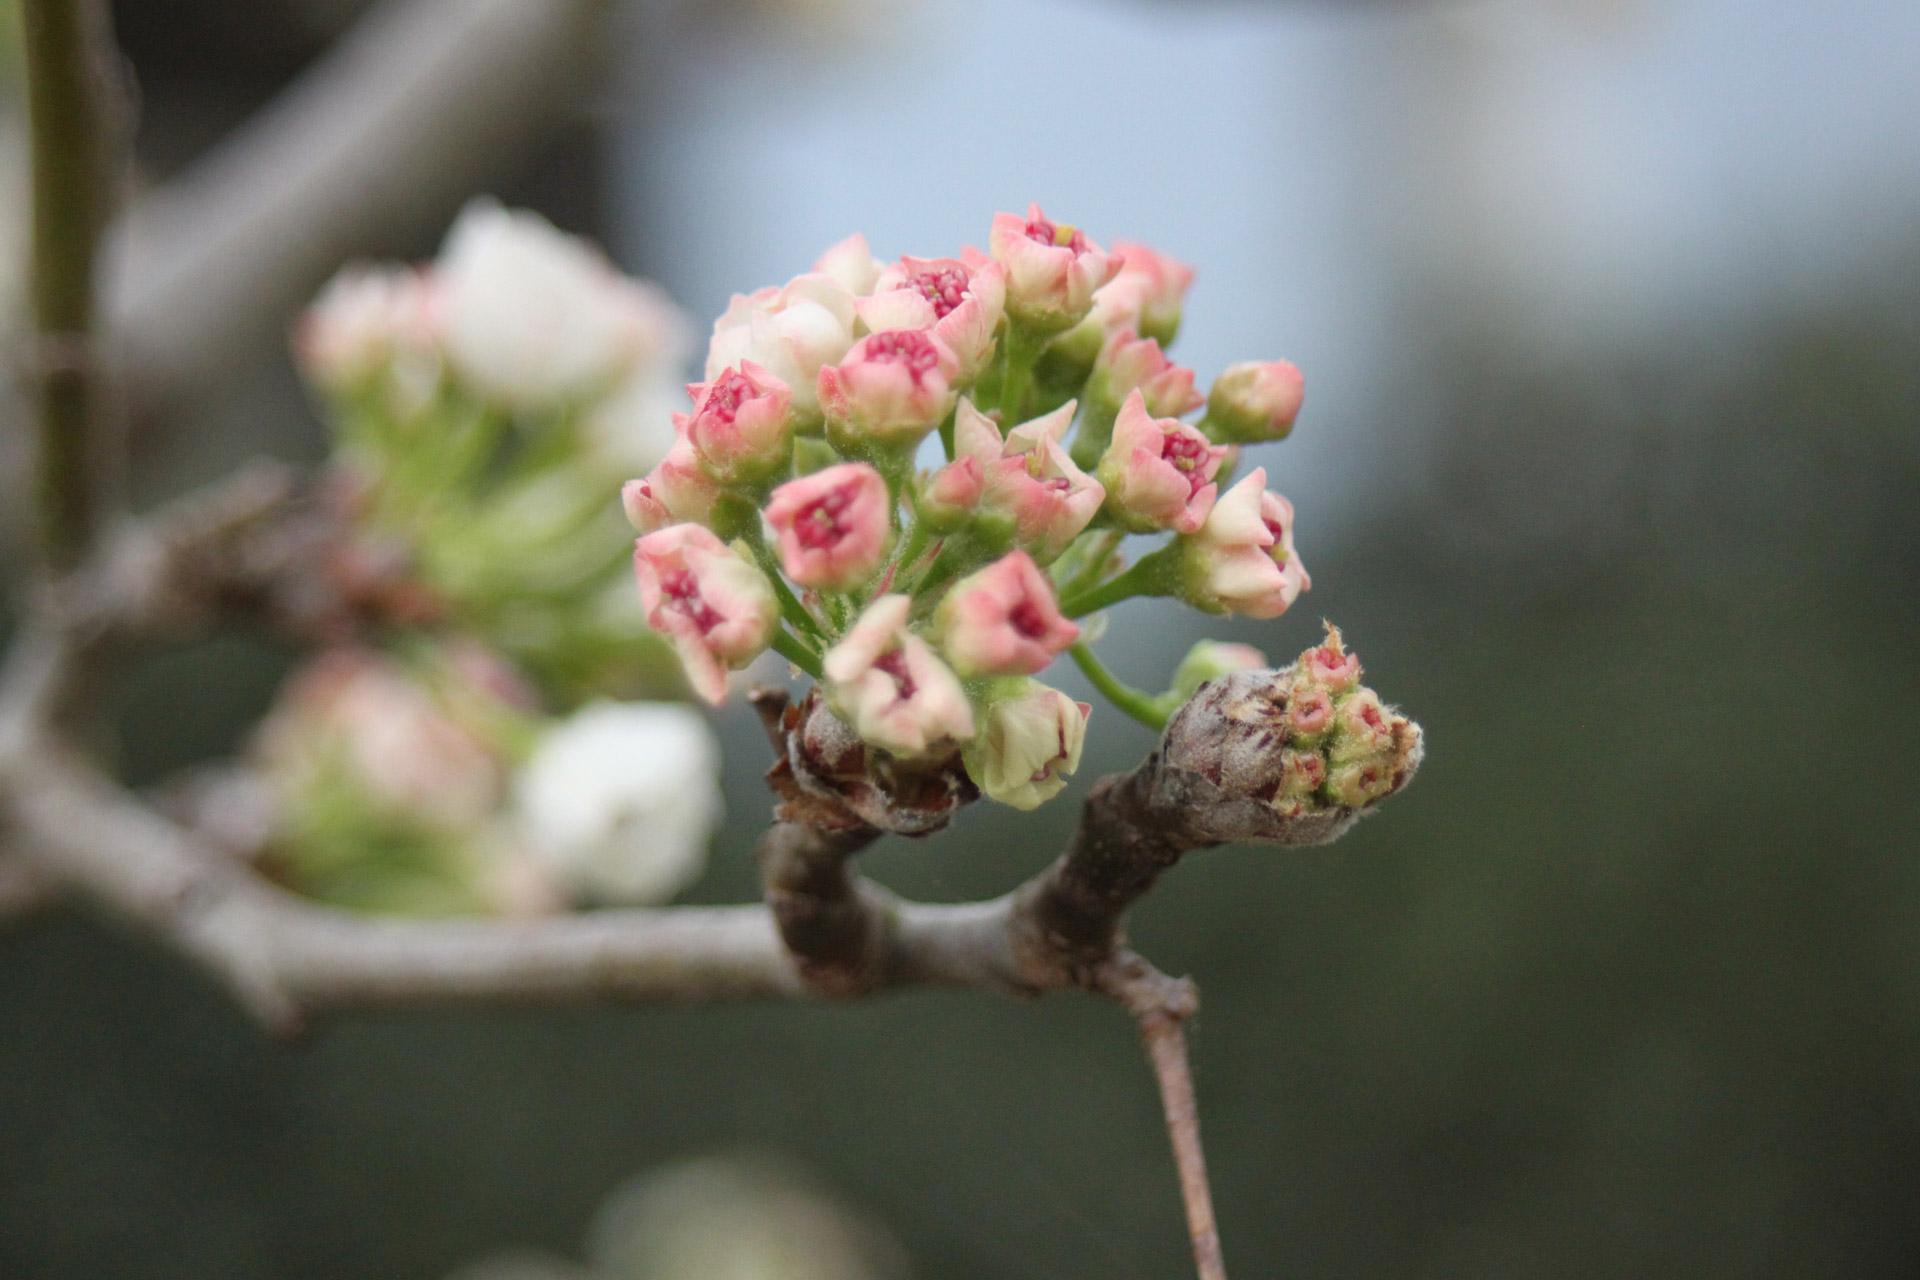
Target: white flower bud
<point>618,802</point>
<point>536,318</point>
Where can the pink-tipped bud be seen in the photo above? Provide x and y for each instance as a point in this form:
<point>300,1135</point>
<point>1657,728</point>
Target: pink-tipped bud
<point>1158,472</point>
<point>1156,286</point>
<point>741,427</point>
<point>892,388</point>
<point>1030,483</point>
<point>948,496</point>
<point>1254,402</point>
<point>791,331</point>
<point>832,527</point>
<point>1242,559</point>
<point>1128,363</point>
<point>1052,269</point>
<point>1003,620</point>
<point>886,682</point>
<point>365,321</point>
<point>1365,726</point>
<point>1029,747</point>
<point>1330,666</point>
<point>1309,713</point>
<point>851,265</point>
<point>960,304</point>
<point>677,491</point>
<point>710,600</point>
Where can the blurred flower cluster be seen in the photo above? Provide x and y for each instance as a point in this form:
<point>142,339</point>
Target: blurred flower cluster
<point>801,506</point>
<point>486,406</point>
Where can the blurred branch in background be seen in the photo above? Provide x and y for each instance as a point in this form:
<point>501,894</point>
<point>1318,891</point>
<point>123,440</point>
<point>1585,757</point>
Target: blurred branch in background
<point>420,101</point>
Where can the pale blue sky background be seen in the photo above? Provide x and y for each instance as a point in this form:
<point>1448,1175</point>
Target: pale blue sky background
<point>1597,169</point>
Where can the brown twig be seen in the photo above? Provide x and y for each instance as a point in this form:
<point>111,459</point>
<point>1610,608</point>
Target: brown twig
<point>1167,1049</point>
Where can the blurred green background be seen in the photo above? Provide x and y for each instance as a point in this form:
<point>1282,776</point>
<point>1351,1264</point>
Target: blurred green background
<point>1628,983</point>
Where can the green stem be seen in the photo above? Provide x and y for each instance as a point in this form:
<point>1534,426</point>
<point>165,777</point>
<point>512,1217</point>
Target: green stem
<point>1142,706</point>
<point>67,48</point>
<point>1098,552</point>
<point>794,650</point>
<point>946,429</point>
<point>1151,575</point>
<point>913,547</point>
<point>796,613</point>
<point>1023,348</point>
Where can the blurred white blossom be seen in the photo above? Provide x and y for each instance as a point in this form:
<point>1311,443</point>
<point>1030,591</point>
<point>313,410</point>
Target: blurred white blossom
<point>618,801</point>
<point>537,318</point>
<point>753,1217</point>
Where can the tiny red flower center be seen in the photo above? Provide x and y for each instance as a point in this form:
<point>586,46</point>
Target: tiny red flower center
<point>1277,549</point>
<point>1058,235</point>
<point>945,289</point>
<point>1028,620</point>
<point>894,663</point>
<point>1329,659</point>
<point>1370,714</point>
<point>1186,453</point>
<point>1313,769</point>
<point>726,394</point>
<point>818,526</point>
<point>1311,712</point>
<point>908,347</point>
<point>682,592</point>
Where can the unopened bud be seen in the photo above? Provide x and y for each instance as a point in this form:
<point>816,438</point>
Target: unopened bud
<point>1278,757</point>
<point>1211,659</point>
<point>1254,402</point>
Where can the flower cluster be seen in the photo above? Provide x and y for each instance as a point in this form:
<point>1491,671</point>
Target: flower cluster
<point>793,510</point>
<point>486,407</point>
<point>429,783</point>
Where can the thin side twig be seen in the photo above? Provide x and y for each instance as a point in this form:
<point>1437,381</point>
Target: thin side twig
<point>1166,1042</point>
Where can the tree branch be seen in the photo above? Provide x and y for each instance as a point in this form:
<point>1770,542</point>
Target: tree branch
<point>419,101</point>
<point>68,105</point>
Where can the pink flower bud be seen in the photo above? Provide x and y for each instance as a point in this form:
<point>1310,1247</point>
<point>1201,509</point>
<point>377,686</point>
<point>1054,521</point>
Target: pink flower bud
<point>1330,665</point>
<point>832,526</point>
<point>790,331</point>
<point>1030,746</point>
<point>892,388</point>
<point>1360,782</point>
<point>1158,471</point>
<point>364,321</point>
<point>948,497</point>
<point>1029,479</point>
<point>1253,402</point>
<point>1003,620</point>
<point>851,265</point>
<point>1242,559</point>
<point>1156,286</point>
<point>961,304</point>
<point>677,491</point>
<point>1129,362</point>
<point>1364,724</point>
<point>886,682</point>
<point>1052,269</point>
<point>741,425</point>
<point>709,599</point>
